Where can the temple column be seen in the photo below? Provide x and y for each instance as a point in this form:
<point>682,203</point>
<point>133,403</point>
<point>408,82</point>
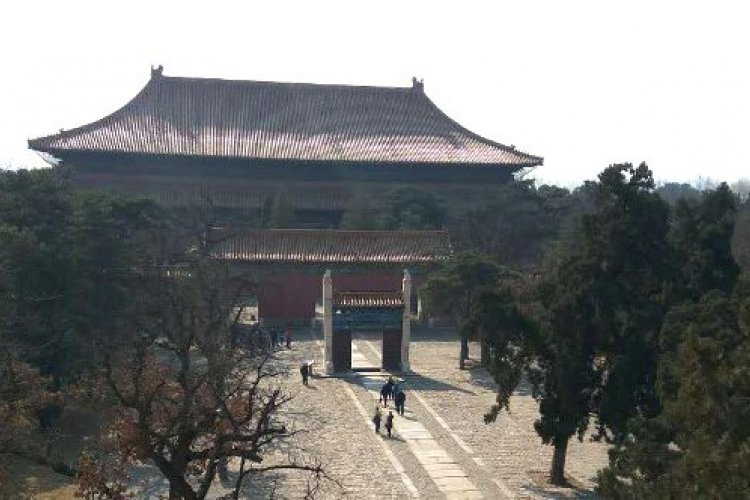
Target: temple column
<point>328,322</point>
<point>406,321</point>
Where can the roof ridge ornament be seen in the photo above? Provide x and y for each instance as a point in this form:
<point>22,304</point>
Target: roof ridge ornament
<point>157,71</point>
<point>417,85</point>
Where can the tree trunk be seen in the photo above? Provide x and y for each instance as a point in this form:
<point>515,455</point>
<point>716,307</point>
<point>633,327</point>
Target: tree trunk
<point>174,472</point>
<point>464,354</point>
<point>557,473</point>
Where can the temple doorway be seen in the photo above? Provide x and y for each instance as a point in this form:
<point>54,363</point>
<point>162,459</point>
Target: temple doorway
<point>383,313</point>
<point>367,315</point>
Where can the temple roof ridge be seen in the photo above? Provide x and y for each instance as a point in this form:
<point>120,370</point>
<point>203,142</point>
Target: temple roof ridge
<point>242,81</point>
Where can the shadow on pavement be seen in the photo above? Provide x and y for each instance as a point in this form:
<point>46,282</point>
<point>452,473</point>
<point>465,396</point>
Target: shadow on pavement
<point>261,485</point>
<point>423,382</point>
<point>434,334</point>
<point>394,437</point>
<point>558,493</point>
<point>480,377</point>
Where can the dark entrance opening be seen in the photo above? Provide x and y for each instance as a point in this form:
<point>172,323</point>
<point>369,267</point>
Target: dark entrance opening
<point>342,350</point>
<point>392,349</point>
<point>367,312</point>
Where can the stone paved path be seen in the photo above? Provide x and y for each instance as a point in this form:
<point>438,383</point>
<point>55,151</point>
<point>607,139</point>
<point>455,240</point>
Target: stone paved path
<point>441,448</point>
<point>336,433</point>
<point>443,469</point>
<point>475,478</point>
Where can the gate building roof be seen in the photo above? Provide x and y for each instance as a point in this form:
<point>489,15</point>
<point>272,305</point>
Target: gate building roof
<point>335,246</point>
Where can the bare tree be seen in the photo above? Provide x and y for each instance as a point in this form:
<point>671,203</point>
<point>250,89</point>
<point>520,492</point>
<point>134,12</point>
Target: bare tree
<point>184,395</point>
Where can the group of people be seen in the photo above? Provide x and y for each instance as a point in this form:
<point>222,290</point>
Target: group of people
<point>255,336</point>
<point>279,338</point>
<point>388,421</point>
<point>390,390</point>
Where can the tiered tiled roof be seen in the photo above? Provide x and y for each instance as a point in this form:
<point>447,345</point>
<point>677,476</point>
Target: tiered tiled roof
<point>199,117</point>
<point>335,246</point>
<point>368,299</point>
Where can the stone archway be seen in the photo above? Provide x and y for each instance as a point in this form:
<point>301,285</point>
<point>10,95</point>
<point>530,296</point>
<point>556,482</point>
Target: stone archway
<point>345,311</point>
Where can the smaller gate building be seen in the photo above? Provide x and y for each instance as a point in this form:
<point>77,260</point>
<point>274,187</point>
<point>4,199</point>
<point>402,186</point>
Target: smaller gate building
<point>367,282</point>
<point>290,263</point>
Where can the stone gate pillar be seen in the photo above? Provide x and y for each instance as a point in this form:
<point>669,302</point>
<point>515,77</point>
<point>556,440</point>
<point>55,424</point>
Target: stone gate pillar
<point>406,321</point>
<point>328,322</point>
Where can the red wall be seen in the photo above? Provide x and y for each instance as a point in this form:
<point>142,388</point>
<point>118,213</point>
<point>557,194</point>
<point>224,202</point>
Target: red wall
<point>292,295</point>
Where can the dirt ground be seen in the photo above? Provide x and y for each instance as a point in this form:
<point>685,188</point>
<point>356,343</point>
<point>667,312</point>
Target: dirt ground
<point>29,480</point>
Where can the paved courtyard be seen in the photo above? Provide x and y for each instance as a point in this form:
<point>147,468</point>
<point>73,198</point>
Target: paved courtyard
<point>441,447</point>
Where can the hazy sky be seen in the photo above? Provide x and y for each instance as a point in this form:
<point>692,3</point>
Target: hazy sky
<point>583,84</point>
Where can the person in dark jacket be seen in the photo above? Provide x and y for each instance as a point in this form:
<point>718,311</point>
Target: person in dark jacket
<point>376,419</point>
<point>385,392</point>
<point>305,372</point>
<point>400,401</point>
<point>389,423</point>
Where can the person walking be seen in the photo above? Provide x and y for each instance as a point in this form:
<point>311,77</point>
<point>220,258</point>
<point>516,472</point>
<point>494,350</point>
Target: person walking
<point>376,419</point>
<point>400,401</point>
<point>389,423</point>
<point>385,393</point>
<point>305,372</point>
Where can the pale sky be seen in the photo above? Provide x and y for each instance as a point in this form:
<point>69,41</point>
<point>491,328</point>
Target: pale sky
<point>583,84</point>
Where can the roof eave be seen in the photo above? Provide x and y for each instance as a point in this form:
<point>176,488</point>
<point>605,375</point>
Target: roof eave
<point>39,145</point>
